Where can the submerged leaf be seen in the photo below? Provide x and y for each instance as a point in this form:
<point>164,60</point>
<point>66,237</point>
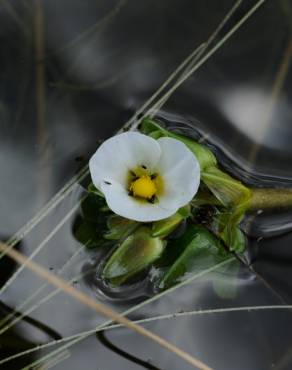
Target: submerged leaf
<point>135,254</point>
<point>119,227</point>
<point>203,154</point>
<point>225,282</point>
<point>201,250</point>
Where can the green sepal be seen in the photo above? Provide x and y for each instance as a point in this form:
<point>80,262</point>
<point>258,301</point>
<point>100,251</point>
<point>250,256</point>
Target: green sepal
<point>202,251</point>
<point>136,253</point>
<point>119,227</point>
<point>185,211</point>
<point>204,155</point>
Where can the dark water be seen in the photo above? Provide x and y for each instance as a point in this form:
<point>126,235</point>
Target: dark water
<point>92,87</point>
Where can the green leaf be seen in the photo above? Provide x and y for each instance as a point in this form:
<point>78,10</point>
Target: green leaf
<point>155,134</point>
<point>92,189</point>
<point>119,227</point>
<point>203,250</point>
<point>135,254</point>
<point>175,247</point>
<point>164,227</point>
<point>227,226</point>
<point>92,208</point>
<point>204,197</point>
<point>229,191</point>
<point>203,154</point>
<point>234,238</point>
<point>87,233</point>
<point>225,281</point>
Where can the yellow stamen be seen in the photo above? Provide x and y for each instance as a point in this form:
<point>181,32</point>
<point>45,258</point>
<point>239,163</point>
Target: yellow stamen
<point>144,187</point>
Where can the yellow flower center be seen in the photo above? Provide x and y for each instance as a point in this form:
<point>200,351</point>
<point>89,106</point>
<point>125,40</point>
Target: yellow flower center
<point>144,187</point>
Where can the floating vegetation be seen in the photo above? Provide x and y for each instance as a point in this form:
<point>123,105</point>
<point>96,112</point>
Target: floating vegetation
<point>149,241</point>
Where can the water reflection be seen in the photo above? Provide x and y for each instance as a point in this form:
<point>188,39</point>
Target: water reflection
<point>92,87</point>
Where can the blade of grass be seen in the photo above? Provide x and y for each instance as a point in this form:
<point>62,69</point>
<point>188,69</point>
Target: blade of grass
<point>101,308</point>
<point>170,316</point>
<point>53,203</point>
<point>186,65</point>
<point>41,302</point>
<point>39,247</point>
<point>76,338</point>
<point>24,304</point>
<point>228,35</point>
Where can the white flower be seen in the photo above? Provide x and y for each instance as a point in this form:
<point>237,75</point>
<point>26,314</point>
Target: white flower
<point>144,179</point>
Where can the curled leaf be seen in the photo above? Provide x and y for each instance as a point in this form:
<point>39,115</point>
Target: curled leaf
<point>135,254</point>
<point>119,227</point>
<point>229,191</point>
<point>226,225</point>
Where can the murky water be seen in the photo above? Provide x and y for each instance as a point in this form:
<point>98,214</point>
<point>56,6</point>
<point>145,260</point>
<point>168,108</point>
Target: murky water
<point>93,86</point>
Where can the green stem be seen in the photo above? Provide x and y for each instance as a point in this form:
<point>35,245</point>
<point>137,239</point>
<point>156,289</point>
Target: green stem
<point>262,198</point>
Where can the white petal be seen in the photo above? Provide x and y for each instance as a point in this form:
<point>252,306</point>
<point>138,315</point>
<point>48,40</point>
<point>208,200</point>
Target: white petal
<point>180,171</point>
<point>121,153</point>
<point>124,205</point>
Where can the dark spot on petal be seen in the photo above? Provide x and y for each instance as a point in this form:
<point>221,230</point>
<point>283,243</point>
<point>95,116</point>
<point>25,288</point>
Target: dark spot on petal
<point>107,182</point>
<point>143,166</point>
<point>130,193</point>
<point>152,200</point>
<point>153,176</point>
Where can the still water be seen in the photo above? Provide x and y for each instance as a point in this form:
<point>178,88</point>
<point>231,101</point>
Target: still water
<point>103,60</point>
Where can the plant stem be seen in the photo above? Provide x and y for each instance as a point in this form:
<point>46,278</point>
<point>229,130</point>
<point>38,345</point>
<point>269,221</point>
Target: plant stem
<point>270,198</point>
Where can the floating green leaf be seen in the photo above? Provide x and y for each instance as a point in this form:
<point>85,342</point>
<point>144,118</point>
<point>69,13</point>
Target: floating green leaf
<point>135,254</point>
<point>201,250</point>
<point>119,227</point>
